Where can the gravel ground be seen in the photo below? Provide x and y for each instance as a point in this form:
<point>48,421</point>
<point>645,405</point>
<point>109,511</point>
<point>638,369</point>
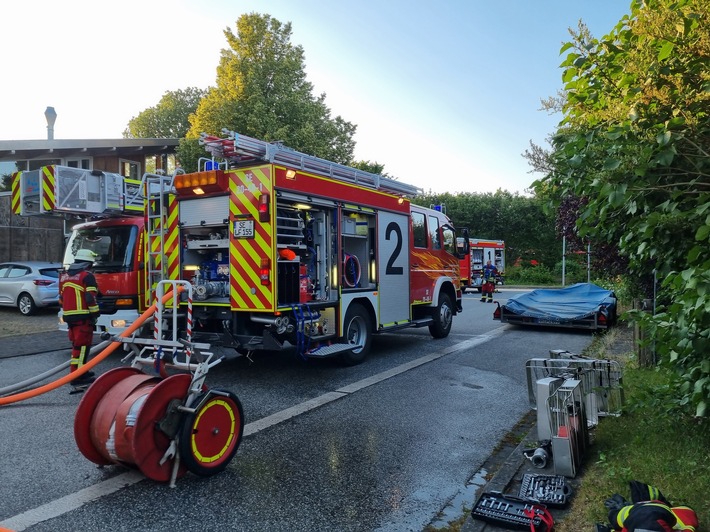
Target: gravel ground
<point>13,323</point>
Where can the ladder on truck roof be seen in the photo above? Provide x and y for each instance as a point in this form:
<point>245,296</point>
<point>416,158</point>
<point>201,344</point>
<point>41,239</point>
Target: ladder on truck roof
<point>239,150</point>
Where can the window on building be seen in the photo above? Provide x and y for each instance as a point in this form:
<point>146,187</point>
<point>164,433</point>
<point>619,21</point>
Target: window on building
<point>23,166</point>
<point>83,163</point>
<point>165,162</point>
<point>130,169</point>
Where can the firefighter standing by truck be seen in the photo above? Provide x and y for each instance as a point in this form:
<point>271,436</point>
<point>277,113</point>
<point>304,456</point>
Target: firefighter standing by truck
<point>488,285</point>
<point>77,297</point>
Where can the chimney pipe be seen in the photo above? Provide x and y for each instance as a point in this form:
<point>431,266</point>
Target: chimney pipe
<point>51,115</point>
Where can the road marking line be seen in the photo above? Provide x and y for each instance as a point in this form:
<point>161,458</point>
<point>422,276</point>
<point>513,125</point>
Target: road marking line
<point>76,500</point>
<point>72,501</point>
<point>288,413</point>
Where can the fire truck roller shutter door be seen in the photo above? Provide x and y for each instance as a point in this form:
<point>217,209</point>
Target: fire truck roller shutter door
<point>393,267</point>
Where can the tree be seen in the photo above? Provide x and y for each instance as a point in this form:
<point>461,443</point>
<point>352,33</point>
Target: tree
<point>537,156</point>
<point>168,119</point>
<point>370,166</point>
<point>261,91</point>
<point>634,143</point>
<point>521,221</point>
<point>5,182</point>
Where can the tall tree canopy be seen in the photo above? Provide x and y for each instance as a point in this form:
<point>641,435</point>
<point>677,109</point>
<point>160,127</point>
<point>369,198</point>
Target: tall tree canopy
<point>169,119</point>
<point>634,146</point>
<point>262,91</point>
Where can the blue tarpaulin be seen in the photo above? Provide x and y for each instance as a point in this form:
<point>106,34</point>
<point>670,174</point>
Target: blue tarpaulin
<point>571,303</point>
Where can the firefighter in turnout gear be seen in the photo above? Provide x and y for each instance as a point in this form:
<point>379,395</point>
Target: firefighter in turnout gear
<point>77,297</point>
<point>488,285</point>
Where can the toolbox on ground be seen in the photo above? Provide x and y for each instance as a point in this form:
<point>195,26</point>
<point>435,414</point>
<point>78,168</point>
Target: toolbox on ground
<point>509,511</point>
<point>550,490</point>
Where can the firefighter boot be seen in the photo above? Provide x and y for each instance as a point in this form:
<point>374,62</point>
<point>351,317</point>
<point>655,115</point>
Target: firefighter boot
<point>490,297</point>
<point>80,384</point>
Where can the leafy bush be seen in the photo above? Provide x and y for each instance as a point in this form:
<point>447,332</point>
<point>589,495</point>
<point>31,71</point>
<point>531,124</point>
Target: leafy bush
<point>575,271</point>
<point>530,275</point>
<point>623,289</point>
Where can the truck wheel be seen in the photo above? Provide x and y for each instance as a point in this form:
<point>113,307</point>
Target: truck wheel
<point>26,304</point>
<point>356,330</point>
<point>443,317</point>
<point>209,437</point>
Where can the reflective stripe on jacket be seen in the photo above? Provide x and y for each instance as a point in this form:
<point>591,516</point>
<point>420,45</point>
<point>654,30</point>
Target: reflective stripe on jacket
<point>654,515</point>
<point>78,294</point>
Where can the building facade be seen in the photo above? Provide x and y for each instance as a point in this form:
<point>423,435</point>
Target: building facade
<point>43,237</point>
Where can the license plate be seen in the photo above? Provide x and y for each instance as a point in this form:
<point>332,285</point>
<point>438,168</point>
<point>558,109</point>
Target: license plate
<point>243,229</point>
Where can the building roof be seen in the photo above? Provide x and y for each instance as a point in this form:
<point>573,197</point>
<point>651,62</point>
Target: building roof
<point>14,150</point>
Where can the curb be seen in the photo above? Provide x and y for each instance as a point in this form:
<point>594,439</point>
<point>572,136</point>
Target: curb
<point>500,482</point>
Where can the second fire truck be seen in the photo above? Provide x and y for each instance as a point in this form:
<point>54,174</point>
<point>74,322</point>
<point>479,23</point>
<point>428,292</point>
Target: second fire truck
<point>280,250</point>
<point>480,252</point>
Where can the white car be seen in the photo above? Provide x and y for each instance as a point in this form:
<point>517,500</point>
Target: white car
<point>29,285</point>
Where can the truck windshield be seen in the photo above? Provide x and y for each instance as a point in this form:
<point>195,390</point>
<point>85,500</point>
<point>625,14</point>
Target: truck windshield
<point>114,247</point>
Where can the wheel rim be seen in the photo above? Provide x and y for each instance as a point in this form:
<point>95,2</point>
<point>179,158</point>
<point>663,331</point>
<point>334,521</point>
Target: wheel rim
<point>356,333</point>
<point>212,435</point>
<point>214,432</point>
<point>25,305</point>
<point>445,315</point>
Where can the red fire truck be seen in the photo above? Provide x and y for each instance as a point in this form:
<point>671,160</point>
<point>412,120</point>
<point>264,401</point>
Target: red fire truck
<point>280,249</point>
<point>480,252</point>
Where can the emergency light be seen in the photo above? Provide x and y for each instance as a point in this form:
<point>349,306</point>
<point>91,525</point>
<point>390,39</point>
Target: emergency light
<point>209,182</point>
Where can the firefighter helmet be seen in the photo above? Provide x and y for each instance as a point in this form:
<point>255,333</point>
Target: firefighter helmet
<point>85,255</point>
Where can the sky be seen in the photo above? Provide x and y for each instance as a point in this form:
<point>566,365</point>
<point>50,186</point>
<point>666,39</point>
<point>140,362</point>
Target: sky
<point>447,95</point>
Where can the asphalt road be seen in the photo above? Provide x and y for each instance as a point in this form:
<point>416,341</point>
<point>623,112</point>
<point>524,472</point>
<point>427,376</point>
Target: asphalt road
<point>385,445</point>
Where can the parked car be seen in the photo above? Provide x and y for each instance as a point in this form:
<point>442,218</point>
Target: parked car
<point>29,285</point>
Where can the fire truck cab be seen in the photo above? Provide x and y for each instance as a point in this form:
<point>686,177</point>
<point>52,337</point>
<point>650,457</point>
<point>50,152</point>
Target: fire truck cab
<point>118,243</point>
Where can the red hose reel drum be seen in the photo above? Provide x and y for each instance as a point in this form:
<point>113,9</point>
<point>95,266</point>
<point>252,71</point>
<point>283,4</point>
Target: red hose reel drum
<point>130,418</point>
